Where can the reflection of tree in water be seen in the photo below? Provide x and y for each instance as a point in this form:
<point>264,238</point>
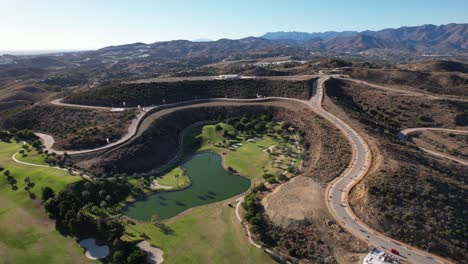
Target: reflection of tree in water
<point>180,203</point>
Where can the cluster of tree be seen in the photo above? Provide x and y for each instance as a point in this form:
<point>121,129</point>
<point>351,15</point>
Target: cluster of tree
<point>19,135</point>
<point>252,209</point>
<point>13,183</point>
<point>10,179</point>
<point>250,124</point>
<point>272,179</point>
<point>78,211</point>
<point>58,160</point>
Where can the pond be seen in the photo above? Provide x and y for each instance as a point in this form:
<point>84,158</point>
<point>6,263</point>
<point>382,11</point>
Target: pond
<point>210,183</point>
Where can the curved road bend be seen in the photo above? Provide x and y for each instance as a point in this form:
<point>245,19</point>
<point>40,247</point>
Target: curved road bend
<point>338,190</point>
<point>406,135</point>
<point>48,141</point>
<point>431,96</point>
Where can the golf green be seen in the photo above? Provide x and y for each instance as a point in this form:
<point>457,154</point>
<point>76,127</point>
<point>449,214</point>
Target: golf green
<point>210,183</point>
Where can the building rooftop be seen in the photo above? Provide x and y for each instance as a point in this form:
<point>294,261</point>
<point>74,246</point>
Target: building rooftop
<point>377,256</point>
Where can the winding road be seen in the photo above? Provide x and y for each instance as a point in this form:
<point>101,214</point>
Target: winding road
<point>406,135</point>
<point>48,141</point>
<point>337,192</point>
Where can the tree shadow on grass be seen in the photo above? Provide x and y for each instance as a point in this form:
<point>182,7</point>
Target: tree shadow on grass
<point>165,229</point>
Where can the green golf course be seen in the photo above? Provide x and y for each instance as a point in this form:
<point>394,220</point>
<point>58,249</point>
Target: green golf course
<point>26,233</point>
<point>210,183</point>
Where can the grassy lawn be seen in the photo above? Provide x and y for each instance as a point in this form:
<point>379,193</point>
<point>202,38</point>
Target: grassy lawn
<point>212,233</point>
<point>249,159</point>
<point>26,233</point>
<point>32,156</point>
<point>170,179</point>
<point>207,234</point>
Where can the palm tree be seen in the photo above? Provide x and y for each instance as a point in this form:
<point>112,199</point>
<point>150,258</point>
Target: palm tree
<point>177,180</point>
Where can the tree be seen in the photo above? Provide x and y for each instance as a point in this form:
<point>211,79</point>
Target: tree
<point>177,179</point>
<point>240,127</point>
<point>103,204</point>
<point>155,219</point>
<point>47,193</point>
<point>137,257</point>
<point>7,173</point>
<point>102,193</point>
<point>282,177</point>
<point>119,257</point>
<point>51,207</point>
<point>85,195</point>
<point>27,179</point>
<point>218,127</point>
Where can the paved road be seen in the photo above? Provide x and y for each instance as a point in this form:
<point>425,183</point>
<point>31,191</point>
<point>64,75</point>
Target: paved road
<point>337,192</point>
<point>48,140</point>
<point>406,135</point>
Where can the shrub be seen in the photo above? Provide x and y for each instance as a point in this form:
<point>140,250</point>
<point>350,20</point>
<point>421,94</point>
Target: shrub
<point>282,177</point>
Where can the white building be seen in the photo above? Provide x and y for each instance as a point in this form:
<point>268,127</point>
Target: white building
<point>377,256</point>
<point>229,76</point>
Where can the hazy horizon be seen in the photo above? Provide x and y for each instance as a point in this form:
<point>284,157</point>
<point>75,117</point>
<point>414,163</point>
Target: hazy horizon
<point>87,24</point>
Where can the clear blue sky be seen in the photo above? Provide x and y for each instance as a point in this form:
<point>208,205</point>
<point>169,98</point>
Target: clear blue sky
<point>89,24</point>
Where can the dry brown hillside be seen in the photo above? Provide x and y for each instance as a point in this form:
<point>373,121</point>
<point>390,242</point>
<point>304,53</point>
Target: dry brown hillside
<point>408,194</point>
<point>450,83</point>
<point>72,128</point>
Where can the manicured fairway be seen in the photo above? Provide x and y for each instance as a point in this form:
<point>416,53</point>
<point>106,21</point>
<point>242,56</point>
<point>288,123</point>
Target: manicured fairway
<point>207,234</point>
<point>249,159</point>
<point>212,233</point>
<point>26,233</point>
<point>32,157</point>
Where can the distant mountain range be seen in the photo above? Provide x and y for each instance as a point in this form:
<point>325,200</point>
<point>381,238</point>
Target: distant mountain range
<point>442,38</point>
<point>396,45</point>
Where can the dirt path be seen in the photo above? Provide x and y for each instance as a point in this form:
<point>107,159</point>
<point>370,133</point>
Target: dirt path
<point>405,92</point>
<point>73,172</point>
<point>406,135</point>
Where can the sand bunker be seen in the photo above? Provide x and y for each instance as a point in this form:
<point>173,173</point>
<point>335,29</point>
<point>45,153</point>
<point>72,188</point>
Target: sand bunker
<point>155,255</point>
<point>94,251</point>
